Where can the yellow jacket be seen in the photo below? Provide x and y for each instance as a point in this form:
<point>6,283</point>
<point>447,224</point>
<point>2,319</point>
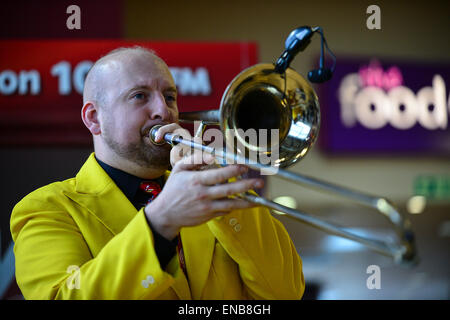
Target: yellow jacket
<point>82,239</point>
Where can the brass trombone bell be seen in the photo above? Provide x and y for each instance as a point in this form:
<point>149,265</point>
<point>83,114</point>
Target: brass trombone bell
<point>261,98</point>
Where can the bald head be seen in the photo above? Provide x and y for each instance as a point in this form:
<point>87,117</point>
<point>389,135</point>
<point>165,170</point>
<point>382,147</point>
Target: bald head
<point>110,66</point>
<point>126,93</point>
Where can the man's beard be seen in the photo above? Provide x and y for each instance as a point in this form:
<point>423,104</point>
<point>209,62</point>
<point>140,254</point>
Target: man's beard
<point>141,153</point>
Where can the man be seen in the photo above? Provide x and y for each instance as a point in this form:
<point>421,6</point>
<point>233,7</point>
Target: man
<point>95,237</point>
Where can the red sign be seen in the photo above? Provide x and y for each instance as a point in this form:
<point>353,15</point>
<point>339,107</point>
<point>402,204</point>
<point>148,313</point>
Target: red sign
<point>41,83</point>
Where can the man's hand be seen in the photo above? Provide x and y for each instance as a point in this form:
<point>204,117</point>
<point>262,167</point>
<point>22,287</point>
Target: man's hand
<point>191,197</point>
<point>179,151</point>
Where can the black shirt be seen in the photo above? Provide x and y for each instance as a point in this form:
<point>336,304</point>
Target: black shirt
<point>129,185</point>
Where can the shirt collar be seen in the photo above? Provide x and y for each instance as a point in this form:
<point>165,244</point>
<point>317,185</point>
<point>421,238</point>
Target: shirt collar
<point>127,183</point>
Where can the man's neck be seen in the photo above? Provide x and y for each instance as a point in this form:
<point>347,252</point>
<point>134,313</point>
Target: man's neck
<point>132,167</point>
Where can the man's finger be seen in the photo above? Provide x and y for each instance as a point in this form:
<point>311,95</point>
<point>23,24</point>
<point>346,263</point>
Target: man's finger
<point>228,189</point>
<point>181,150</point>
<point>171,128</point>
<point>215,176</point>
<point>193,161</point>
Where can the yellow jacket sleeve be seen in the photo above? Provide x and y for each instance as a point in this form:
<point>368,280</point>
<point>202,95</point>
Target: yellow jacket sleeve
<point>268,262</point>
<point>53,260</point>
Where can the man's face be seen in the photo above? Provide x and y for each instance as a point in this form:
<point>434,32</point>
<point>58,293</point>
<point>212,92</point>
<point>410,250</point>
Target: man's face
<point>139,94</point>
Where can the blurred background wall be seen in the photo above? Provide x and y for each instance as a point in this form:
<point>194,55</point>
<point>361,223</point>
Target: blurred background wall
<point>334,268</point>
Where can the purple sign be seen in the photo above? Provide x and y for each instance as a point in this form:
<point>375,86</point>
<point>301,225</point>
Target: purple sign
<point>373,106</point>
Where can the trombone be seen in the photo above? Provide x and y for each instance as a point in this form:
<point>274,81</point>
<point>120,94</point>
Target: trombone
<point>262,97</point>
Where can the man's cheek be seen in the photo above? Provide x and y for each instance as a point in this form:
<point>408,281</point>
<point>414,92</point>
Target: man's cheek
<point>174,116</point>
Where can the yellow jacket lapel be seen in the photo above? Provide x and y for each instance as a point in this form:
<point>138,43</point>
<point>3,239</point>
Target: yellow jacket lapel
<point>98,193</point>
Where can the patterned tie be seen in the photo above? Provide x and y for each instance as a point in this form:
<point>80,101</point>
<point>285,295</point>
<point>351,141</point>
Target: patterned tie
<point>152,189</point>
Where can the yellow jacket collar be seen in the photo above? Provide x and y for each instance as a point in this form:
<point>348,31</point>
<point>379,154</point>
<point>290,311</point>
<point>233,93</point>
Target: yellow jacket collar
<point>92,179</point>
<point>97,193</point>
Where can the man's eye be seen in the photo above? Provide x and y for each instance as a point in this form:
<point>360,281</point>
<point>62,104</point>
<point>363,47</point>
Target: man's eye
<point>139,96</point>
<point>171,98</point>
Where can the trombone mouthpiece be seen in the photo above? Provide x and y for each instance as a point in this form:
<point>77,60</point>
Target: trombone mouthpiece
<point>152,135</point>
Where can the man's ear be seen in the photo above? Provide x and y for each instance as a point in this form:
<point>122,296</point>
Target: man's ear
<point>89,114</point>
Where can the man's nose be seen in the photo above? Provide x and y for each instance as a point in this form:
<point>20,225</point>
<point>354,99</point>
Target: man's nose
<point>159,109</point>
